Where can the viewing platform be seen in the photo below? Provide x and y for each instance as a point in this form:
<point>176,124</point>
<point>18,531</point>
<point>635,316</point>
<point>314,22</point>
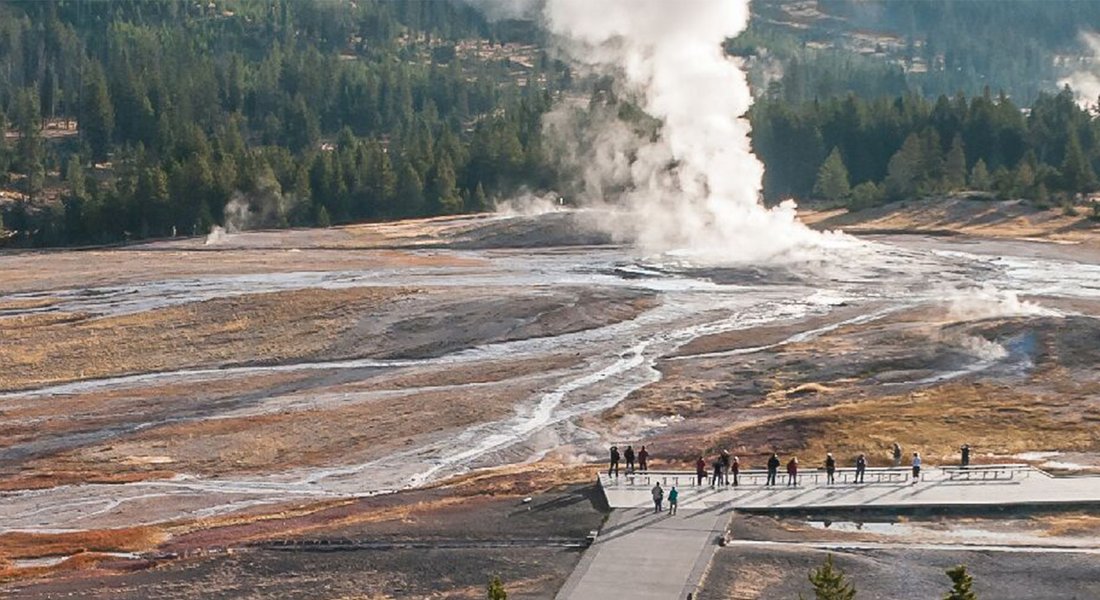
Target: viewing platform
<point>883,488</point>
<point>639,554</point>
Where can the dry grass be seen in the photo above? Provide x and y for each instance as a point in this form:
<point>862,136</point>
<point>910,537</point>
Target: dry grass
<point>1073,524</point>
<point>337,434</point>
<point>1009,219</point>
<point>263,327</point>
<point>935,422</point>
<point>40,480</point>
<point>16,545</point>
<point>27,303</point>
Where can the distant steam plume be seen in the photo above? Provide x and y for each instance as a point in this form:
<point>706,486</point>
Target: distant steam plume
<point>1085,82</point>
<point>685,174</point>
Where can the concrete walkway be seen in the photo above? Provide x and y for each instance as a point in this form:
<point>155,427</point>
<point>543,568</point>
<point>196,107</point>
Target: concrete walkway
<point>1025,487</point>
<point>640,555</point>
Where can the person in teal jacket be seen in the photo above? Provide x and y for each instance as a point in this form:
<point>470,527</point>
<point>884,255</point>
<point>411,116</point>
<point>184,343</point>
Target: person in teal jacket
<point>673,495</point>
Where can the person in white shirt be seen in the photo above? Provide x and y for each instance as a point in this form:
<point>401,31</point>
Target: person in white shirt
<point>916,467</point>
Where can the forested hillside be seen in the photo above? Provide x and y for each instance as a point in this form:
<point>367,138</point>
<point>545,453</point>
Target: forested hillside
<point>806,49</point>
<point>865,152</point>
<point>130,118</point>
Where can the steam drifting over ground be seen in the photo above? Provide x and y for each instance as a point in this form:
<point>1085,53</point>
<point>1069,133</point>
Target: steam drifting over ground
<point>688,181</point>
<point>1085,82</point>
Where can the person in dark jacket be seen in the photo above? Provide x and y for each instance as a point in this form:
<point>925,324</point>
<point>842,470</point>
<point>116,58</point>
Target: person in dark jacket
<point>716,472</point>
<point>628,454</point>
<point>773,468</point>
<point>861,468</point>
<point>830,468</point>
<point>735,469</point>
<point>700,471</point>
<point>658,497</point>
<point>614,462</point>
<point>643,460</point>
<point>792,471</point>
<point>965,455</point>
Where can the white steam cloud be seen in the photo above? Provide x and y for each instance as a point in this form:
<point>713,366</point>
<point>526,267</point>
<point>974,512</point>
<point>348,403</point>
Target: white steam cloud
<point>685,180</point>
<point>987,302</point>
<point>1085,82</point>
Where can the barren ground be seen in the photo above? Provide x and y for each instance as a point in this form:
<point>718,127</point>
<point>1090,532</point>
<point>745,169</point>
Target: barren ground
<point>169,410</point>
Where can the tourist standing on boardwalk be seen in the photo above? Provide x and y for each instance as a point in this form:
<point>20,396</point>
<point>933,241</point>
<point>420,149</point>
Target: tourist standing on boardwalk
<point>628,454</point>
<point>725,458</point>
<point>673,496</point>
<point>716,476</point>
<point>700,471</point>
<point>916,466</point>
<point>897,455</point>
<point>861,467</point>
<point>658,497</point>
<point>773,468</point>
<point>643,460</point>
<point>614,461</point>
<point>965,455</point>
<point>792,471</point>
<point>735,468</point>
<point>830,467</point>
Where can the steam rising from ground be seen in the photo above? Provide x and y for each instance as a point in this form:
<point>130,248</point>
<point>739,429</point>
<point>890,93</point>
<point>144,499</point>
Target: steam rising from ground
<point>263,205</point>
<point>987,302</point>
<point>1085,83</point>
<point>683,170</point>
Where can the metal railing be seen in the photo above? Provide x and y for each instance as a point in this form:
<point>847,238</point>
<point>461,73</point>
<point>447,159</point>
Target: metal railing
<point>758,477</point>
<point>986,472</point>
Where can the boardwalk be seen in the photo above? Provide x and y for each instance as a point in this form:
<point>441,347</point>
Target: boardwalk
<point>885,488</point>
<point>639,555</point>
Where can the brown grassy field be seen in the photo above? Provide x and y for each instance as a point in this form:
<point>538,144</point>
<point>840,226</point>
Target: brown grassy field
<point>52,348</point>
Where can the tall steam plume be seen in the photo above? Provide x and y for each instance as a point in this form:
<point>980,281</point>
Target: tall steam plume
<point>693,184</point>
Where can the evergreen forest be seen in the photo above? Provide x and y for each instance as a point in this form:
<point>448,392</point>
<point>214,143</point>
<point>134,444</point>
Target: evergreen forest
<point>133,119</point>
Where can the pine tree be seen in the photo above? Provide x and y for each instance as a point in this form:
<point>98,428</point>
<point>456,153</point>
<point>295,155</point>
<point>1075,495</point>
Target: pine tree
<point>864,195</point>
<point>410,192</point>
<point>1024,180</point>
<point>323,220</point>
<point>74,176</point>
<point>444,192</point>
<point>1077,173</point>
<point>954,167</point>
<point>97,117</point>
<point>961,582</point>
<point>830,583</point>
<point>903,173</point>
<point>496,590</point>
<point>479,202</point>
<point>832,178</point>
<point>979,177</point>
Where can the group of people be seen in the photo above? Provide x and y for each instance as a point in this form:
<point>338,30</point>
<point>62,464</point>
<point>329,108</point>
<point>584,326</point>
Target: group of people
<point>629,456</point>
<point>725,469</point>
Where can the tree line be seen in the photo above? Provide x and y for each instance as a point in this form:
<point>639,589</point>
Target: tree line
<point>133,119</point>
<point>864,152</point>
<point>874,48</point>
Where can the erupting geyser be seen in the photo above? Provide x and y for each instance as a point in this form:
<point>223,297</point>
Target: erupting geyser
<point>694,185</point>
